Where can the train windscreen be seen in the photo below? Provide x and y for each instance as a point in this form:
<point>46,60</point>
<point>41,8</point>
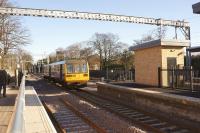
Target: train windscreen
<point>77,68</point>
<point>69,68</point>
<point>84,68</point>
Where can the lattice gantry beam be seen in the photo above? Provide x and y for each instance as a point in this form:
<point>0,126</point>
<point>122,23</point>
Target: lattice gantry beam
<point>89,16</point>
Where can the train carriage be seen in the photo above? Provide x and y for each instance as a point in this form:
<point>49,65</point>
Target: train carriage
<point>69,71</point>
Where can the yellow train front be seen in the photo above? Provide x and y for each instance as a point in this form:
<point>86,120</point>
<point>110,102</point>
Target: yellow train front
<point>68,72</point>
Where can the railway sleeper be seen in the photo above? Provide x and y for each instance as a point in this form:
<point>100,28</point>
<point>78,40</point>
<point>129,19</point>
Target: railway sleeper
<point>109,106</point>
<point>130,113</point>
<point>158,124</point>
<point>136,115</point>
<point>66,117</point>
<point>121,108</point>
<point>71,125</point>
<point>169,128</point>
<point>86,131</point>
<point>112,105</point>
<point>70,121</point>
<point>143,118</point>
<point>61,113</point>
<point>79,126</point>
<point>181,131</point>
<point>149,121</point>
<point>127,111</point>
<point>64,114</point>
<point>162,126</point>
<point>78,129</point>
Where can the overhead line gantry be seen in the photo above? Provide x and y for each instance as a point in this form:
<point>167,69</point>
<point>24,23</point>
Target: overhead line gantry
<point>15,11</point>
<point>182,25</point>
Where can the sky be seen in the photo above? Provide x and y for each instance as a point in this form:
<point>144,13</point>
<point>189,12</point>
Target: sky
<point>48,34</point>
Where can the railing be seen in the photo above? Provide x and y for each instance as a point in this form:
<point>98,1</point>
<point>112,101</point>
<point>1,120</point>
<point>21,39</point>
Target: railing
<point>16,124</point>
<point>181,78</point>
<point>113,75</point>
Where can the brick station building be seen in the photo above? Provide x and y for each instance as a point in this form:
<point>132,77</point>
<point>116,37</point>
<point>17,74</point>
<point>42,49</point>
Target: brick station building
<point>151,55</point>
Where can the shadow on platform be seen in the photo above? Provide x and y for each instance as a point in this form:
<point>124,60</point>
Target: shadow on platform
<point>10,98</point>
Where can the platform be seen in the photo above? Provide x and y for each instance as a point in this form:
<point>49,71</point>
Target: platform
<point>155,100</point>
<point>36,118</point>
<point>7,108</point>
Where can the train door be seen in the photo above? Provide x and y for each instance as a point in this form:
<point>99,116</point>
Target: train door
<point>171,63</point>
<point>61,71</point>
<point>49,71</point>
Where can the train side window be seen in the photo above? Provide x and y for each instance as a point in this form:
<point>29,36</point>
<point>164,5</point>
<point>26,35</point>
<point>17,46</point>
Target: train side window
<point>84,68</point>
<point>69,68</point>
<point>77,68</point>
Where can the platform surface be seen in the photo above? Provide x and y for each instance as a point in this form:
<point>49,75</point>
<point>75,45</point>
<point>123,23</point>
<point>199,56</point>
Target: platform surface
<point>7,108</point>
<point>36,118</point>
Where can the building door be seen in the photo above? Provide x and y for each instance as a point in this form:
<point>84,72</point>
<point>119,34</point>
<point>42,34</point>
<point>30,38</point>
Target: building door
<point>171,63</point>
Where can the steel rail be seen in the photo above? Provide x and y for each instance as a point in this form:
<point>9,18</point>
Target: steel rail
<point>144,126</point>
<point>17,124</point>
<point>85,118</point>
<point>140,124</point>
<point>54,121</point>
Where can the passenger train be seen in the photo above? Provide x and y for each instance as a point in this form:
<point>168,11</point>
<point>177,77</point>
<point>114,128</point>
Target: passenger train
<point>69,72</point>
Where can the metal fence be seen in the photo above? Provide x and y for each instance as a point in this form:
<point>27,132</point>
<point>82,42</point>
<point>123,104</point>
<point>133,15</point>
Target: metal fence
<point>116,75</point>
<point>184,78</point>
<point>17,121</point>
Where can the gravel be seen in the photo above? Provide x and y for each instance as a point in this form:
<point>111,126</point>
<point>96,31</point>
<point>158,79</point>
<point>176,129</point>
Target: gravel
<point>109,121</point>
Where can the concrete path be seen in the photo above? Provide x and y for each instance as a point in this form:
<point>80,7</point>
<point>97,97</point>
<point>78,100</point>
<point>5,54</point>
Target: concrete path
<point>7,108</point>
<point>36,118</point>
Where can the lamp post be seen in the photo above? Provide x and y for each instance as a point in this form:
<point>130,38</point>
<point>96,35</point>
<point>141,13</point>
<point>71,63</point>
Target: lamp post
<point>1,51</point>
<point>0,62</point>
<point>17,74</point>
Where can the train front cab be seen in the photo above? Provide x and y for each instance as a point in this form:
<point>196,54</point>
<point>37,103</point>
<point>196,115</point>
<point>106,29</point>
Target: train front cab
<point>76,72</point>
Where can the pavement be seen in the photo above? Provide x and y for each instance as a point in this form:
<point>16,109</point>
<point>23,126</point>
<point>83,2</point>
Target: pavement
<point>36,118</point>
<point>7,107</point>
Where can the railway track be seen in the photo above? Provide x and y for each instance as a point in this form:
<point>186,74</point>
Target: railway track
<point>144,120</point>
<point>50,95</point>
<point>141,119</point>
<point>71,119</point>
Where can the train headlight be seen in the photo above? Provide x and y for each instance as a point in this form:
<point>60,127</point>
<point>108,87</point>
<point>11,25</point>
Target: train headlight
<point>85,75</point>
<point>68,75</point>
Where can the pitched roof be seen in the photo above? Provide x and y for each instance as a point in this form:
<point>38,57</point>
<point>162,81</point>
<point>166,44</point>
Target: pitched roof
<point>194,49</point>
<point>196,8</point>
<point>160,42</point>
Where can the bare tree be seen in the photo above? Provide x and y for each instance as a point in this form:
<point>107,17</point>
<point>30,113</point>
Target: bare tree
<point>52,57</point>
<point>24,58</point>
<point>85,53</point>
<point>107,46</point>
<point>73,51</point>
<point>158,33</point>
<point>127,59</point>
<point>12,34</point>
<point>97,46</point>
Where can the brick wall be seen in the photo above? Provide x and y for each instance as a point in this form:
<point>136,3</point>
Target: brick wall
<point>147,62</point>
